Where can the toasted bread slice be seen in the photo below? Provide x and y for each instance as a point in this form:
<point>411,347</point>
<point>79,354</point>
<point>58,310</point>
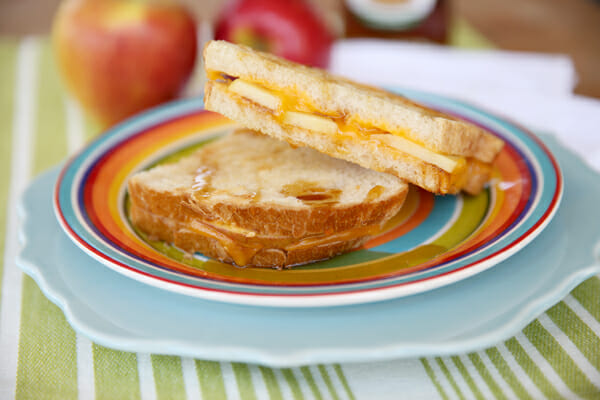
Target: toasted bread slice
<point>252,200</point>
<point>235,248</point>
<point>369,126</point>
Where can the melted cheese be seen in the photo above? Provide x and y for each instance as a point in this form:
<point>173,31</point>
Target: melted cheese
<point>256,93</point>
<point>242,250</point>
<point>326,240</point>
<point>298,111</point>
<point>241,253</point>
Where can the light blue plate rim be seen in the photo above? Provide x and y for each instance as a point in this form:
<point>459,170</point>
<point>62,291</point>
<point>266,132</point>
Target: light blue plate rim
<point>468,315</point>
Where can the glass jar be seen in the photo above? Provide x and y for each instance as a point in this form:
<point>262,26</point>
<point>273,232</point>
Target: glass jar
<point>397,19</point>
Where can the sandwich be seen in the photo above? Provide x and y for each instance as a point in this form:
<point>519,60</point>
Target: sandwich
<point>250,200</point>
<point>367,126</point>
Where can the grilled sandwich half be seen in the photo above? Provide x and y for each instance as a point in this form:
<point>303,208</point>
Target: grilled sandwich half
<point>364,125</point>
<point>251,200</point>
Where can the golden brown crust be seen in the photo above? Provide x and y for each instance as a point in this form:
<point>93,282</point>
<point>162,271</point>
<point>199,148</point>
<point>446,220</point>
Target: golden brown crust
<point>368,154</point>
<point>265,221</point>
<point>333,95</point>
<point>478,175</point>
<point>251,216</point>
<point>268,252</point>
<point>282,221</point>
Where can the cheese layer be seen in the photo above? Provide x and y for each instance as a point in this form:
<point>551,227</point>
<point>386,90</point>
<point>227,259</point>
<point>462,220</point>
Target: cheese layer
<point>298,111</point>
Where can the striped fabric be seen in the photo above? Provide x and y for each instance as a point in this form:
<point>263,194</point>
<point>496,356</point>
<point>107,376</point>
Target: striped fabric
<point>41,357</point>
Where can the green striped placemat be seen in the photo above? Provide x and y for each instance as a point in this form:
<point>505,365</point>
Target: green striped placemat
<point>41,357</point>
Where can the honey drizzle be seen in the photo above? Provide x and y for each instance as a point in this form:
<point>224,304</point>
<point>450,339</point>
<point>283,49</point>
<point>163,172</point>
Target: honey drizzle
<point>202,178</point>
<point>241,254</point>
<point>242,251</point>
<point>311,194</point>
<point>375,192</point>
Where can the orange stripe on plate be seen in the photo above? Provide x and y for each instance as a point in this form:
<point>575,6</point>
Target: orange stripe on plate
<point>104,184</point>
<point>422,208</point>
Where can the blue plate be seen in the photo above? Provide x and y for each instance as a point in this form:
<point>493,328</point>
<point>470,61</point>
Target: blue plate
<point>434,240</point>
<point>480,311</point>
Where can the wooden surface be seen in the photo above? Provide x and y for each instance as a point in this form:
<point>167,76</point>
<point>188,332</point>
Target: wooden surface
<point>556,26</point>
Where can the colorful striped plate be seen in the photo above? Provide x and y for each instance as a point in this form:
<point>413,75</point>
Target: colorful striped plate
<point>432,242</point>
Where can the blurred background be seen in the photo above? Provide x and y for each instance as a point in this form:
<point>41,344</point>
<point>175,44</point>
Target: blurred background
<point>119,57</point>
<point>558,26</point>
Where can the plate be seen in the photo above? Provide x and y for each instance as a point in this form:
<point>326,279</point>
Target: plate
<point>433,241</point>
<point>471,314</point>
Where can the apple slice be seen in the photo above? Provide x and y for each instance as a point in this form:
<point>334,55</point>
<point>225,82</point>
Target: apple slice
<point>447,163</point>
<point>310,121</point>
<point>255,93</point>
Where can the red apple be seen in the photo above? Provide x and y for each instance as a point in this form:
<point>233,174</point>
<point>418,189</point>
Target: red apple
<point>287,28</point>
<point>119,57</point>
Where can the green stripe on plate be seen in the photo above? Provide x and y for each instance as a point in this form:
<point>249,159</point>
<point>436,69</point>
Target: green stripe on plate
<point>487,377</point>
<point>342,378</point>
<point>467,377</point>
<point>168,377</point>
<point>473,211</point>
<point>587,295</point>
<point>292,383</point>
<point>211,380</point>
<point>553,352</point>
<point>311,382</point>
<point>354,257</point>
<point>47,366</point>
<point>507,373</point>
<point>531,368</point>
<point>433,378</point>
<point>328,382</point>
<point>578,331</point>
<point>8,65</point>
<point>449,377</point>
<point>244,381</point>
<point>271,383</point>
<point>115,374</point>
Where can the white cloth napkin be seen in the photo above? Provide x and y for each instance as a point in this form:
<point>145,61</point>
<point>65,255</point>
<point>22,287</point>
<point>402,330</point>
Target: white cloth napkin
<point>535,90</point>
